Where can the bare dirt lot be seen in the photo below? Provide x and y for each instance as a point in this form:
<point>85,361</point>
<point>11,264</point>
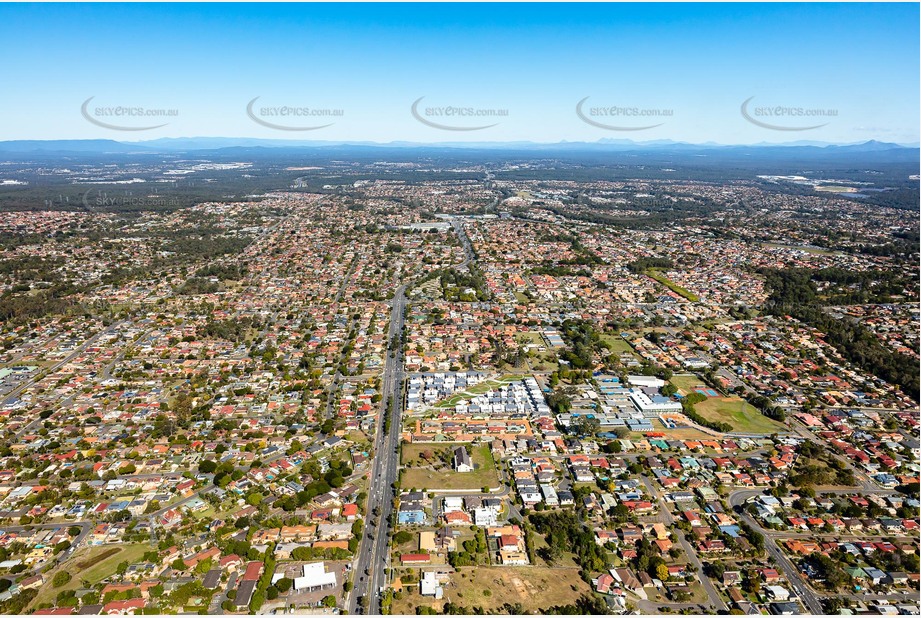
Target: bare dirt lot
<point>534,588</point>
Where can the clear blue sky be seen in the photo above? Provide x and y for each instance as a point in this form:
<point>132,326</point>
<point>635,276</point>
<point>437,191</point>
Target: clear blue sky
<point>536,61</point>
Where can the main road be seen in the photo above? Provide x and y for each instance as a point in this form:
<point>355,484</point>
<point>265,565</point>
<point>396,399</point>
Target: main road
<point>806,594</point>
<point>665,516</point>
<point>371,563</point>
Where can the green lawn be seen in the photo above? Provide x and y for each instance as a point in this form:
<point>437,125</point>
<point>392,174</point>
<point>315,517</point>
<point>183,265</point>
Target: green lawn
<point>687,384</point>
<point>539,542</point>
<point>542,361</point>
<point>744,417</point>
<point>85,565</point>
<point>208,513</point>
<point>671,285</point>
<point>618,345</point>
<point>479,389</point>
<point>425,477</point>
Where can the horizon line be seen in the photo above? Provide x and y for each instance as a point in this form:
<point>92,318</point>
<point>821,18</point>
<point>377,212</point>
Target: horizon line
<point>471,143</point>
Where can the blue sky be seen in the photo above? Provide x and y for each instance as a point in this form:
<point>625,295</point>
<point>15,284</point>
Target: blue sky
<point>693,65</point>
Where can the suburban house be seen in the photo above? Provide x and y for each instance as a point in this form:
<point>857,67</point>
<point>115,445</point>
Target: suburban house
<point>462,462</point>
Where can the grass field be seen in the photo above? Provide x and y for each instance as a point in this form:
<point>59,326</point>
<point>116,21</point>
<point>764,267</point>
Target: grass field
<point>696,590</point>
<point>539,542</point>
<point>743,417</point>
<point>542,361</point>
<point>479,389</point>
<point>485,474</point>
<point>619,346</point>
<point>92,565</point>
<point>671,285</point>
<point>686,383</point>
<point>535,588</point>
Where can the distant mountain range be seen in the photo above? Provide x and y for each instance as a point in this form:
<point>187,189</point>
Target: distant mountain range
<point>189,144</point>
<point>661,152</point>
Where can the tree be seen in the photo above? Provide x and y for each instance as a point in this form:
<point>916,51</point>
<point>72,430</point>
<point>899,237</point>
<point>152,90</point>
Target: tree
<point>559,402</point>
<point>587,425</point>
<point>620,512</point>
<point>329,601</point>
<point>752,582</point>
<point>255,604</point>
<point>60,578</point>
<point>254,499</point>
<point>662,571</point>
<point>714,569</point>
<point>182,407</point>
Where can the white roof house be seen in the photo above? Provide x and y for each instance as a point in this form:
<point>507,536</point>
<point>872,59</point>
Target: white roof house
<point>429,586</point>
<point>315,577</point>
<point>645,381</point>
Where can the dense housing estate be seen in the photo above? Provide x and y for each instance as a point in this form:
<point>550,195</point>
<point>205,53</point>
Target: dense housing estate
<point>414,395</point>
